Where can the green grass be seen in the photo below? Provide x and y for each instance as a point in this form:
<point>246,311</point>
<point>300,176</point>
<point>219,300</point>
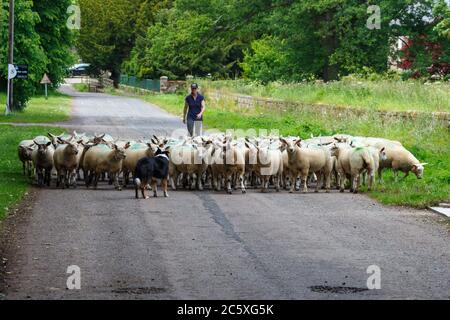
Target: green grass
<point>426,138</point>
<point>40,110</point>
<point>13,184</point>
<point>81,87</point>
<point>380,95</point>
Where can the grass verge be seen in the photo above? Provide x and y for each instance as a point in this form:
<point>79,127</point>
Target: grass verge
<point>13,184</point>
<point>380,95</point>
<point>426,138</point>
<point>40,110</point>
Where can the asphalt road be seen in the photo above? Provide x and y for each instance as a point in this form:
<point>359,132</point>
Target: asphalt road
<point>210,245</point>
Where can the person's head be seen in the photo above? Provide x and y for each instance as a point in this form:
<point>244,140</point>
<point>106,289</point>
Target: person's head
<point>194,88</point>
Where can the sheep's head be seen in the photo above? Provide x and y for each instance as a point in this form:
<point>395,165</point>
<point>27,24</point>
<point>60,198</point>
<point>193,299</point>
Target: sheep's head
<point>418,170</point>
<point>54,138</point>
<point>290,145</point>
<point>382,152</point>
<point>119,153</point>
<point>42,147</point>
<point>27,150</point>
<point>72,147</point>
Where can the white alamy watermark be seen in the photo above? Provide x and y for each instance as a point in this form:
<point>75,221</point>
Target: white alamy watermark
<point>374,20</point>
<point>74,280</point>
<point>374,280</point>
<point>74,20</point>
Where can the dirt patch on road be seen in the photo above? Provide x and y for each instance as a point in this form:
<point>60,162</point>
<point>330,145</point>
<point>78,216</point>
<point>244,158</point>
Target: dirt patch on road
<point>17,217</point>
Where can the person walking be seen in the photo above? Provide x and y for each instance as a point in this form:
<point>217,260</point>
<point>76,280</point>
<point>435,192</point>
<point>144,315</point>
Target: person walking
<point>194,107</point>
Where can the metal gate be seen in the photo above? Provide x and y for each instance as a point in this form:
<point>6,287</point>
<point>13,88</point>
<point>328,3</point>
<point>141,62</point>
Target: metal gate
<point>147,84</point>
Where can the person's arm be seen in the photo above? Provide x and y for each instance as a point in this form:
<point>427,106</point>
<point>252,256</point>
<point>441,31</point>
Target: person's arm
<point>199,116</point>
<point>185,111</point>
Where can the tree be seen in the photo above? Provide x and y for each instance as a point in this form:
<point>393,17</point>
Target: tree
<point>27,50</point>
<point>56,38</point>
<point>267,60</point>
<point>107,33</point>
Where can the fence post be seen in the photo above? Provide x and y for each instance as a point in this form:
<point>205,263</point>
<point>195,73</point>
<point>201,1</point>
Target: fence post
<point>163,84</point>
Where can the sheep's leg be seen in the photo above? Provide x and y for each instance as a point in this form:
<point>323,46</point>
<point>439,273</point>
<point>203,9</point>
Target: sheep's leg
<point>67,176</point>
<point>126,178</point>
<point>404,177</point>
<point>23,167</point>
<point>293,184</point>
<point>229,189</point>
<point>136,190</point>
<point>96,178</point>
<point>371,180</point>
<point>216,182</point>
<point>380,175</point>
<point>199,181</point>
<point>364,178</point>
<point>277,182</point>
<point>241,182</point>
<point>193,181</point>
<point>319,181</point>
<point>297,182</point>
<point>327,182</point>
<point>58,177</point>
<point>74,178</point>
<point>304,177</point>
<point>355,178</point>
<point>115,177</point>
<point>48,176</point>
<point>174,180</point>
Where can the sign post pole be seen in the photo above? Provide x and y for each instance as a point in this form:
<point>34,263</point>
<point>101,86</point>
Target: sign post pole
<point>9,99</point>
<point>46,81</point>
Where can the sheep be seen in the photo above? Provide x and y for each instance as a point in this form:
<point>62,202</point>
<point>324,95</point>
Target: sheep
<point>103,159</point>
<point>66,159</point>
<point>268,162</point>
<point>360,160</point>
<point>351,162</point>
<point>188,159</point>
<point>134,152</point>
<point>378,154</point>
<point>42,157</point>
<point>227,160</point>
<point>305,160</point>
<point>24,151</point>
<point>400,159</point>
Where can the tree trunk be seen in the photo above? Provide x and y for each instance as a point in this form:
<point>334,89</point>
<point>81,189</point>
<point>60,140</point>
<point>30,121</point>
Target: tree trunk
<point>330,43</point>
<point>115,76</point>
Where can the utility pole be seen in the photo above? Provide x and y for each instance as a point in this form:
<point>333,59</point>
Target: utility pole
<point>9,99</point>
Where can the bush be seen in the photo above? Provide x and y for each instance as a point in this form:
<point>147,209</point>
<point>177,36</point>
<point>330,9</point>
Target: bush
<point>266,61</point>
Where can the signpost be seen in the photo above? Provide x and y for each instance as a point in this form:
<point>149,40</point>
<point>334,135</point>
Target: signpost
<point>11,73</point>
<point>22,71</point>
<point>46,81</point>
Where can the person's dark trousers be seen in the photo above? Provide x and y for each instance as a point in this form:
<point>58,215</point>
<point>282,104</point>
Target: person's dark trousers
<point>194,127</point>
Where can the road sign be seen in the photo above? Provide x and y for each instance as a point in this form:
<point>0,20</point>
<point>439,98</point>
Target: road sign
<point>45,79</point>
<point>22,71</point>
<point>12,72</point>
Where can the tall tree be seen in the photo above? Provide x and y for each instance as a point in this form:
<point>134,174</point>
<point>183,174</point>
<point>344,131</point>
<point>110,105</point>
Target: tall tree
<point>107,33</point>
<point>27,50</point>
<point>56,38</point>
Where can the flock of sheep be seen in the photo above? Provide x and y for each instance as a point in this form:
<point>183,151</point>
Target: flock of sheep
<point>219,161</point>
